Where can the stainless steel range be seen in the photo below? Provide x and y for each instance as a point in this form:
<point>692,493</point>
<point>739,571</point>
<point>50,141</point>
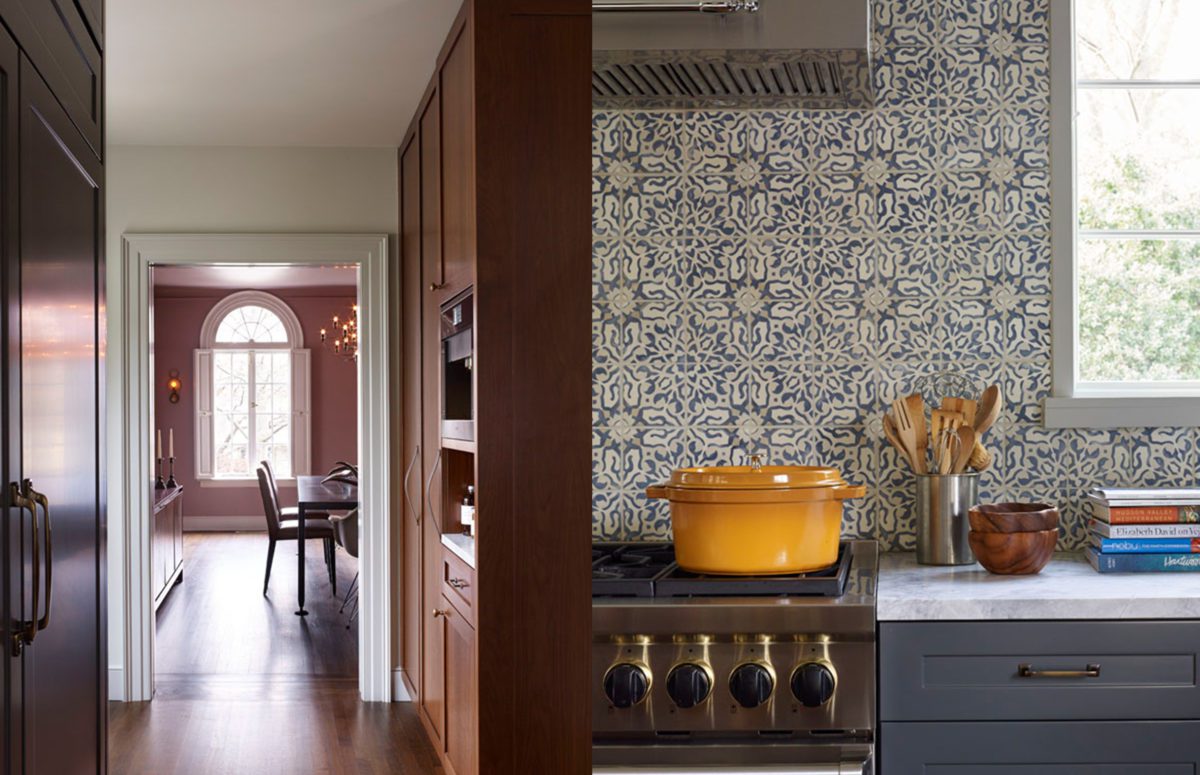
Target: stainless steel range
<point>711,675</point>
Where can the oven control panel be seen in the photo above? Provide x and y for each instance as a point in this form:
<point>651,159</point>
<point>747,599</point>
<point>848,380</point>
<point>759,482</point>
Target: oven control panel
<point>732,684</point>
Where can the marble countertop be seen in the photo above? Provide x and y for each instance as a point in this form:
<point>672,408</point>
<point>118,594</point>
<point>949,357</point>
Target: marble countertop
<point>1067,588</point>
<point>462,545</point>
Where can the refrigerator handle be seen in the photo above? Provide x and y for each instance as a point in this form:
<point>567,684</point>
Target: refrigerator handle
<point>26,631</point>
<point>40,499</point>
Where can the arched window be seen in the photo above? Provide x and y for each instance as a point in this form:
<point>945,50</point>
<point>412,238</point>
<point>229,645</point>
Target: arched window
<point>252,377</point>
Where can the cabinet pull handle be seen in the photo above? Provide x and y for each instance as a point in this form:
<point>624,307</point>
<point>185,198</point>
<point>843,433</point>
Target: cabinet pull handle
<point>436,286</point>
<point>407,473</point>
<point>440,614</point>
<point>1029,671</point>
<point>458,583</point>
<point>26,631</point>
<point>40,499</point>
<point>437,464</point>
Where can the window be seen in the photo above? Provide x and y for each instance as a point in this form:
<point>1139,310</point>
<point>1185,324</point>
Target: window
<point>1127,212</point>
<point>253,386</point>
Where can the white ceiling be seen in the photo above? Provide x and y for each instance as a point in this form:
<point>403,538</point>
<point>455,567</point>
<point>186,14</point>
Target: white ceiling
<point>254,277</point>
<point>269,72</point>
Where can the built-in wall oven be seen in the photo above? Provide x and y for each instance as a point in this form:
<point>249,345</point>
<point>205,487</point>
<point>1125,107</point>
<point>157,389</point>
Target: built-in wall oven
<point>458,355</point>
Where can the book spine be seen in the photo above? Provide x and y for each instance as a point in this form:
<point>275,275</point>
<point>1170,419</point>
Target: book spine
<point>1149,515</point>
<point>1147,545</point>
<point>1142,563</point>
<point>1144,531</point>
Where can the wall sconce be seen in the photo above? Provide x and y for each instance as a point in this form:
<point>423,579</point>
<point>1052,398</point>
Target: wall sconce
<point>173,384</point>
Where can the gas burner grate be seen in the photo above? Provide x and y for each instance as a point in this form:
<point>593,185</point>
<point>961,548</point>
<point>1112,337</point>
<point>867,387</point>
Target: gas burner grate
<point>649,570</point>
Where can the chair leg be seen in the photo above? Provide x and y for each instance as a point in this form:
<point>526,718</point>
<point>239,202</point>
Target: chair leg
<point>349,592</point>
<point>270,559</point>
<point>333,568</point>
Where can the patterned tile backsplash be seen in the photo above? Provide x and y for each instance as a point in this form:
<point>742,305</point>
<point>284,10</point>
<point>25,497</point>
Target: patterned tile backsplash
<point>770,280</point>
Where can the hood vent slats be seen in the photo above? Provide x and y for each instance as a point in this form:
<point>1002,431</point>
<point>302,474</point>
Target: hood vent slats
<point>715,79</point>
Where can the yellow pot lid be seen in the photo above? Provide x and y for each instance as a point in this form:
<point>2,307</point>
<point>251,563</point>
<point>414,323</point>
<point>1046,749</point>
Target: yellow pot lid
<point>755,478</point>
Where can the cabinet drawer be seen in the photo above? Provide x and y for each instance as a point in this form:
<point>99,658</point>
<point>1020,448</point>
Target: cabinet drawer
<point>458,584</point>
<point>1025,671</point>
<point>1057,748</point>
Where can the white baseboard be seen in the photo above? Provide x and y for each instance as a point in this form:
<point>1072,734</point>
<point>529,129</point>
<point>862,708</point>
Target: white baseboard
<point>400,692</point>
<point>116,684</point>
<point>225,524</point>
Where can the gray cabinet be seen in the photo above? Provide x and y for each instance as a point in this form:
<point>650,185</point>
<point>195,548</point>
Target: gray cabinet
<point>1031,748</point>
<point>1038,697</point>
<point>166,553</point>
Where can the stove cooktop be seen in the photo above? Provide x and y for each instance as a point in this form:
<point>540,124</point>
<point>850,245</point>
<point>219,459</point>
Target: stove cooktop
<point>649,570</point>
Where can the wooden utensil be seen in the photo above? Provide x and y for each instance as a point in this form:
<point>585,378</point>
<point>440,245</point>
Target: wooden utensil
<point>908,434</point>
<point>945,452</point>
<point>943,423</point>
<point>981,458</point>
<point>990,404</point>
<point>966,445</point>
<point>964,406</point>
<point>916,413</point>
<point>893,435</point>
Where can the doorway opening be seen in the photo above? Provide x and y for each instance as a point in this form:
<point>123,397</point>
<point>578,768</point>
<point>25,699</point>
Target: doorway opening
<point>257,394</point>
<point>254,383</point>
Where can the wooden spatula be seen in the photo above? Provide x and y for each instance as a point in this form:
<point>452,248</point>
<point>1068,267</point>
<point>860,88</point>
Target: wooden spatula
<point>916,413</point>
<point>942,426</point>
<point>908,434</point>
<point>893,435</point>
<point>964,406</point>
<point>966,446</point>
<point>990,404</point>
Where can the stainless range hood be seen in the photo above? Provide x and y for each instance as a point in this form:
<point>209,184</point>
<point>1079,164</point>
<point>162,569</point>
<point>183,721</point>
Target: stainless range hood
<point>731,53</point>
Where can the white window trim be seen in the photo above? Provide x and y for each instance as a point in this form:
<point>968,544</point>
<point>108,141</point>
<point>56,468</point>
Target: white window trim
<point>301,424</point>
<point>1071,405</point>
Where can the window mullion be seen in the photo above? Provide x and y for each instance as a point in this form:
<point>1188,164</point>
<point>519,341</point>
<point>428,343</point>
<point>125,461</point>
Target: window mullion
<point>252,391</point>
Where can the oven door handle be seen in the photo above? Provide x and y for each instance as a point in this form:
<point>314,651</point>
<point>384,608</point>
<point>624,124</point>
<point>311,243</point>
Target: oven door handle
<point>834,768</point>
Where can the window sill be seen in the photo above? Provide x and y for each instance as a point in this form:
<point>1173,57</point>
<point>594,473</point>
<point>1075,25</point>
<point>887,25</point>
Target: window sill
<point>1122,412</point>
<point>289,482</point>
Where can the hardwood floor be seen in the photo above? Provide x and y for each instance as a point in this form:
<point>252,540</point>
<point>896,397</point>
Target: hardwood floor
<point>246,686</point>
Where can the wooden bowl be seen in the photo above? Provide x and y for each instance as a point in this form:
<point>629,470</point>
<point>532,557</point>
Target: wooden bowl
<point>1013,517</point>
<point>1014,554</point>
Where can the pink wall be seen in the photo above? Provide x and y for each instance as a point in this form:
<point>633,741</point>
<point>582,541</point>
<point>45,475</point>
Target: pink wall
<point>178,315</point>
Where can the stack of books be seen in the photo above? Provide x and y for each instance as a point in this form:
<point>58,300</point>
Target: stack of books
<point>1144,530</point>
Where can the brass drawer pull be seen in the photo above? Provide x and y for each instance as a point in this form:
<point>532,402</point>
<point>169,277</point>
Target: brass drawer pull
<point>439,614</point>
<point>458,583</point>
<point>1028,671</point>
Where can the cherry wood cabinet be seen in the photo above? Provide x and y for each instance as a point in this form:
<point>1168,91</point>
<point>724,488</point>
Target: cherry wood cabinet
<point>495,198</point>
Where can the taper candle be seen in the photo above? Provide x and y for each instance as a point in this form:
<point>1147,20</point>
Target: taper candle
<point>158,449</point>
<point>171,443</point>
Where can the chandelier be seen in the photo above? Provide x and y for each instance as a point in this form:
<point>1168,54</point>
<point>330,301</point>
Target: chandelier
<point>344,339</point>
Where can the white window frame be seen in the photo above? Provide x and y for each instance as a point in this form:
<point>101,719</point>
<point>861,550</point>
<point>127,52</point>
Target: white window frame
<point>301,420</point>
<point>1099,405</point>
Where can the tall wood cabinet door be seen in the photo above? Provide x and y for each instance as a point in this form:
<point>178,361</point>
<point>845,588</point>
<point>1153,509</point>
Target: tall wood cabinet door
<point>457,93</point>
<point>411,430</point>
<point>433,678</point>
<point>15,539</point>
<point>62,266</point>
<point>461,693</point>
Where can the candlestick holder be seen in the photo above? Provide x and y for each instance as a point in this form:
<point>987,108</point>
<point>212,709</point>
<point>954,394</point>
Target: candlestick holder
<point>159,484</point>
<point>171,473</point>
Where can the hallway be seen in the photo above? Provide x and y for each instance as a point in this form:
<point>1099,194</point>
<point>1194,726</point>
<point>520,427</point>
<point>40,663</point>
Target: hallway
<point>245,686</point>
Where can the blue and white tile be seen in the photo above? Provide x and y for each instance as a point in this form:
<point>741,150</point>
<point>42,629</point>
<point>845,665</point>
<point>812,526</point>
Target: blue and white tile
<point>970,201</point>
<point>657,144</point>
<point>777,140</point>
<point>825,267</point>
<point>939,331</point>
<point>606,206</point>
<point>841,330</point>
<point>1024,385</point>
<point>714,391</point>
<point>1027,262</point>
<point>909,23</point>
<point>651,392</point>
<point>1026,325</point>
<point>969,22</point>
<point>906,140</point>
<point>973,77</point>
<point>1028,21</point>
<point>780,330</point>
<point>775,206</point>
<point>656,206</point>
<point>716,140</point>
<point>1027,75</point>
<point>910,202</point>
<point>657,332</point>
<point>1027,200</point>
<point>908,77</point>
<point>709,204</point>
<point>837,141</point>
<point>968,138</point>
<point>1036,461</point>
<point>654,268</point>
<point>841,204</point>
<point>1027,134</point>
<point>805,393</point>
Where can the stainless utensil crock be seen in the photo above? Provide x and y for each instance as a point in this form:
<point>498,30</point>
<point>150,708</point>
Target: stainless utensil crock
<point>943,501</point>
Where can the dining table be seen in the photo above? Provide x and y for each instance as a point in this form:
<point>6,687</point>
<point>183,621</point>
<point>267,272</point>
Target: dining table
<point>313,495</point>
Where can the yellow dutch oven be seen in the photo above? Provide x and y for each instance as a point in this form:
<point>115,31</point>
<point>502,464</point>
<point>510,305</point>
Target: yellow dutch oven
<point>756,520</point>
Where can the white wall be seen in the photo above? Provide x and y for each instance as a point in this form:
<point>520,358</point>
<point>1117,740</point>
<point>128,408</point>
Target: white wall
<point>225,189</point>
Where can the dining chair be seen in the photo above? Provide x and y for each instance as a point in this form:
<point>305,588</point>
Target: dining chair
<point>280,529</point>
<point>345,533</point>
<point>293,512</point>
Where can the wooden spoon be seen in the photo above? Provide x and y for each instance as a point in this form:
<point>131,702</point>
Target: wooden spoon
<point>943,425</point>
<point>908,434</point>
<point>916,413</point>
<point>966,447</point>
<point>964,406</point>
<point>990,404</point>
<point>893,435</point>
